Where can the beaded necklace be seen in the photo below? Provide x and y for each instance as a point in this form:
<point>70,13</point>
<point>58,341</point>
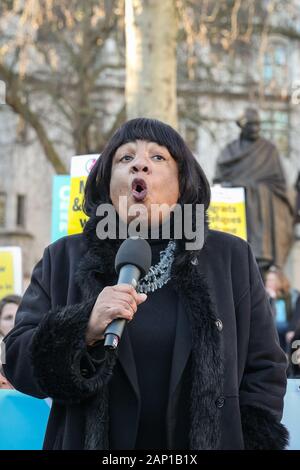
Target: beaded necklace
<point>159,274</point>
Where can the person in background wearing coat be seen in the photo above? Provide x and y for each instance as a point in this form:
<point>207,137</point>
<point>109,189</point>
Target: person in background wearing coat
<point>199,365</point>
<point>285,302</point>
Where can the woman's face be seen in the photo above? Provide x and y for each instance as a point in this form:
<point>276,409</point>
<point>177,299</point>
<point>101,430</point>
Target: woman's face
<point>272,282</point>
<point>7,317</point>
<point>145,173</point>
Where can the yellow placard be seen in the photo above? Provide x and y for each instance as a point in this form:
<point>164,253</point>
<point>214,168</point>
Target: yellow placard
<point>76,217</point>
<point>228,218</point>
<point>6,274</point>
<point>227,211</point>
<point>81,166</point>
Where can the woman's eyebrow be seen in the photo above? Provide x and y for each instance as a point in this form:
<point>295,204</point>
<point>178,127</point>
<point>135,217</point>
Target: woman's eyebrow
<point>129,148</point>
<point>158,148</point>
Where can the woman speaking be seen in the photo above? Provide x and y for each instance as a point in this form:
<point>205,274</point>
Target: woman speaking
<point>198,365</point>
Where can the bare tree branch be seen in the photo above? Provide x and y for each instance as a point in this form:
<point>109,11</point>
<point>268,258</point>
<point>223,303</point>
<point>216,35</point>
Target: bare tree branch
<point>29,116</point>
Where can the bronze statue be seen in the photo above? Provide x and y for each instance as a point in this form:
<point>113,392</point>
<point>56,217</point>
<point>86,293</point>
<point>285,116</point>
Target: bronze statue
<point>253,162</point>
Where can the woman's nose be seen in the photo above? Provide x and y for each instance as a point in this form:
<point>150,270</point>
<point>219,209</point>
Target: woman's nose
<point>140,165</point>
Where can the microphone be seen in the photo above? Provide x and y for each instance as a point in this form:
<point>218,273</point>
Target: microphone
<point>133,261</point>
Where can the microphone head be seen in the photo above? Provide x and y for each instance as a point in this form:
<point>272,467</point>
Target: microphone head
<point>135,251</point>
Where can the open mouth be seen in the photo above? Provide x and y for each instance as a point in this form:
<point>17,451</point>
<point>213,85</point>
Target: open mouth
<point>139,189</point>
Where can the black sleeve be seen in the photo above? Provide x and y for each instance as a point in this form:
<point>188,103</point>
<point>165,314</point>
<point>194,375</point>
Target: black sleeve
<point>264,380</point>
<point>46,353</point>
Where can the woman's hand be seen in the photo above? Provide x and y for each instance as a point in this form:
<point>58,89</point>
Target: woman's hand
<point>120,301</point>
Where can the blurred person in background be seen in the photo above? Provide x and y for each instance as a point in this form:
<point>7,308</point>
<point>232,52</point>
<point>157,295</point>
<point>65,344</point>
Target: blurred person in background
<point>8,309</point>
<point>286,305</point>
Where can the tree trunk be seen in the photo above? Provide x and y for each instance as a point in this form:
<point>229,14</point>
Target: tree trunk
<point>151,32</point>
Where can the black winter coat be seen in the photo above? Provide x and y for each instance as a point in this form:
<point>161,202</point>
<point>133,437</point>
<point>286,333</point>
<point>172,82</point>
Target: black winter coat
<point>228,372</point>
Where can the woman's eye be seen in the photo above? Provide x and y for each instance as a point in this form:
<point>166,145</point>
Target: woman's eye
<point>158,157</point>
<point>126,158</point>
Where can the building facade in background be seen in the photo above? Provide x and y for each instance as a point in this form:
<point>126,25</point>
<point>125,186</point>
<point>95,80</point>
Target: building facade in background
<point>265,75</point>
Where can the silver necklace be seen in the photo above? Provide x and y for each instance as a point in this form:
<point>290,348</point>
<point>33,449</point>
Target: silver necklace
<point>159,274</point>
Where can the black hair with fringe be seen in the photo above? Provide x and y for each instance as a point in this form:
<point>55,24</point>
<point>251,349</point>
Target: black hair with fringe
<point>193,185</point>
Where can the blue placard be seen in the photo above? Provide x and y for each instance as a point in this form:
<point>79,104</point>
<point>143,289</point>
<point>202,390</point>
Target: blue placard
<point>291,413</point>
<point>60,206</point>
<point>23,421</point>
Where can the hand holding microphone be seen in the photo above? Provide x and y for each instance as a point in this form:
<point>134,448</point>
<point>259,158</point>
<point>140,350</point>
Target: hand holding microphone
<point>117,304</point>
<point>113,302</point>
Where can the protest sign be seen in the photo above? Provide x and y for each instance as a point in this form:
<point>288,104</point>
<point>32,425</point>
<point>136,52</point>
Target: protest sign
<point>23,421</point>
<point>81,166</point>
<point>10,271</point>
<point>60,206</point>
<point>227,211</point>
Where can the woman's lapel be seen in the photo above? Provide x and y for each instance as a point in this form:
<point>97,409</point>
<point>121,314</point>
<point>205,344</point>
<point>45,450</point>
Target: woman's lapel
<point>205,342</point>
<point>126,359</point>
<point>182,347</point>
